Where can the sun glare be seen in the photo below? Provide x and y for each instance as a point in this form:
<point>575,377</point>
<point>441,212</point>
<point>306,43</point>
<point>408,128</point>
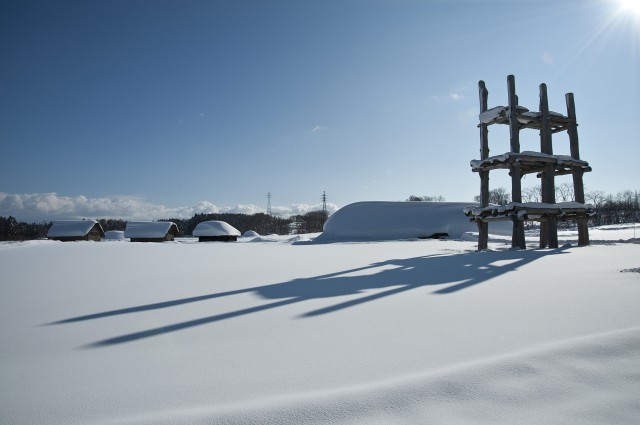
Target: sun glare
<point>631,7</point>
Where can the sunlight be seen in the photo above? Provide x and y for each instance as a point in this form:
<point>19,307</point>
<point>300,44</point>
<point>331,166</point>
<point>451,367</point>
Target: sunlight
<point>619,25</point>
<point>627,20</point>
<point>630,6</point>
<point>627,14</point>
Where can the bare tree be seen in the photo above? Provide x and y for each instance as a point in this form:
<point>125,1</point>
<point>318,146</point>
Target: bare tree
<point>595,198</point>
<point>426,198</point>
<point>532,194</point>
<point>564,192</point>
<point>498,196</point>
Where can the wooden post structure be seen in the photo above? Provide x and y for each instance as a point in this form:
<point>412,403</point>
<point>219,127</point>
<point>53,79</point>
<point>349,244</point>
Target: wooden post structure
<point>483,227</point>
<point>545,163</point>
<point>578,185</point>
<point>517,238</point>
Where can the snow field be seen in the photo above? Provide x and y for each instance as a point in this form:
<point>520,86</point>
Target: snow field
<point>279,333</point>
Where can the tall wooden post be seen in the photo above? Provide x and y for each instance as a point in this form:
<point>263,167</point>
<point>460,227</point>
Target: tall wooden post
<point>517,239</point>
<point>548,228</point>
<point>483,227</point>
<point>578,184</point>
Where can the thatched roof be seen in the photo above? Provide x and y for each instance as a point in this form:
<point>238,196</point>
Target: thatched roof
<point>215,228</point>
<point>73,228</point>
<point>149,229</point>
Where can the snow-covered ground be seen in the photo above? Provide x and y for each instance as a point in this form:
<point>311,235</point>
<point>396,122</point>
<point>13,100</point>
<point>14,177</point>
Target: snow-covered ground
<point>281,330</point>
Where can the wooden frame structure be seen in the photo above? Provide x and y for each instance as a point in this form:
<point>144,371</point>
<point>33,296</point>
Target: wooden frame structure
<point>544,163</point>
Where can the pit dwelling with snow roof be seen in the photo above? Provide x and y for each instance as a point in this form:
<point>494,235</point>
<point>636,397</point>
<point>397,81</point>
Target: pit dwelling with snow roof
<point>382,220</point>
<point>76,230</point>
<point>216,231</point>
<point>151,231</point>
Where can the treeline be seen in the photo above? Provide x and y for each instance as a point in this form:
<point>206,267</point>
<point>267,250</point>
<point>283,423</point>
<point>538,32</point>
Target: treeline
<point>13,230</point>
<point>623,207</point>
<point>264,224</point>
<point>261,223</point>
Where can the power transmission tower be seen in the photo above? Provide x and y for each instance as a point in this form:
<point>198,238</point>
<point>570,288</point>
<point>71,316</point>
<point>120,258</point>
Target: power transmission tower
<point>324,202</point>
<point>269,203</point>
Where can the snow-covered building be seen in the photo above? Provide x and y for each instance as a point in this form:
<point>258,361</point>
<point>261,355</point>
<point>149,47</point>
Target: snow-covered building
<point>381,220</point>
<point>114,235</point>
<point>76,230</point>
<point>216,231</point>
<point>151,231</point>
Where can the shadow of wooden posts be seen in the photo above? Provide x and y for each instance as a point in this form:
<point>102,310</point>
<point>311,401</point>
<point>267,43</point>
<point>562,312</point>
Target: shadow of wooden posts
<point>447,273</point>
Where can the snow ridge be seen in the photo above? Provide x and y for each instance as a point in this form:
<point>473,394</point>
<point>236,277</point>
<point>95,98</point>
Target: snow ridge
<point>572,379</point>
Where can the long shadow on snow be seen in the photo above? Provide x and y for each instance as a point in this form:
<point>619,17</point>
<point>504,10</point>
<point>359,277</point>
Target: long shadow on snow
<point>453,272</point>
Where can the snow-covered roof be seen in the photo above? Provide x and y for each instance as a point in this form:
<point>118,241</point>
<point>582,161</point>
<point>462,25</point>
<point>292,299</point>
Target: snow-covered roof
<point>71,228</point>
<point>500,115</point>
<point>529,161</point>
<point>215,228</point>
<point>114,234</point>
<point>529,210</point>
<point>499,112</point>
<point>250,234</point>
<point>378,220</point>
<point>147,229</point>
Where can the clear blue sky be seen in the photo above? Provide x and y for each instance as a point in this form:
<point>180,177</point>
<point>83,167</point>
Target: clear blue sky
<point>214,104</point>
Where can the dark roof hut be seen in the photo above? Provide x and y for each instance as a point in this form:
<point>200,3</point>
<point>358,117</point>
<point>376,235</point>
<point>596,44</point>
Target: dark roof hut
<point>216,231</point>
<point>151,231</point>
<point>76,230</point>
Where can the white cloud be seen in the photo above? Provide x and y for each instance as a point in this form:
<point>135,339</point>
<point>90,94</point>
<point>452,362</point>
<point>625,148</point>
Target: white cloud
<point>468,116</point>
<point>455,97</point>
<point>295,209</point>
<point>548,58</point>
<point>38,207</point>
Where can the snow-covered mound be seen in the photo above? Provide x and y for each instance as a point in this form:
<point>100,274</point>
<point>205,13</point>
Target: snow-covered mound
<point>215,228</point>
<point>378,220</point>
<point>250,234</point>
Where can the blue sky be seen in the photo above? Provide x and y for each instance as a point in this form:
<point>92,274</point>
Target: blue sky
<point>137,109</point>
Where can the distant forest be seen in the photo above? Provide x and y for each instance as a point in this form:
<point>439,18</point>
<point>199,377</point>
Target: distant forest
<point>623,207</point>
<point>13,230</point>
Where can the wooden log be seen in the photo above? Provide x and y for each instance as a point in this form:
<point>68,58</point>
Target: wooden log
<point>550,229</point>
<point>514,129</point>
<point>572,127</point>
<point>546,145</point>
<point>572,131</point>
<point>484,130</point>
<point>578,183</point>
<point>483,227</point>
<point>517,238</point>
